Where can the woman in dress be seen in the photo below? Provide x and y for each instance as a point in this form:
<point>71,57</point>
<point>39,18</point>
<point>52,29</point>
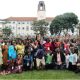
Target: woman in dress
<point>5,54</point>
<point>20,53</point>
<point>12,55</point>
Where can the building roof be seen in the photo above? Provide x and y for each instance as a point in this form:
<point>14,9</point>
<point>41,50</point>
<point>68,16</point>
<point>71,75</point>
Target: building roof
<point>49,18</point>
<point>25,19</point>
<point>20,18</point>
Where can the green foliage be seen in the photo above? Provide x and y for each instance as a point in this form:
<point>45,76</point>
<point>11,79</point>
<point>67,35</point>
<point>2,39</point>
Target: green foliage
<point>78,26</point>
<point>64,22</point>
<point>40,27</point>
<point>7,31</point>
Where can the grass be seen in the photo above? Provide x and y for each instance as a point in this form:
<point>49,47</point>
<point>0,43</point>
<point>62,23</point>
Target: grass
<point>45,74</point>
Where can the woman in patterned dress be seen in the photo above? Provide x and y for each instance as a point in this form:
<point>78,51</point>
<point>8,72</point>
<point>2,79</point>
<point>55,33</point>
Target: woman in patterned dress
<point>5,54</point>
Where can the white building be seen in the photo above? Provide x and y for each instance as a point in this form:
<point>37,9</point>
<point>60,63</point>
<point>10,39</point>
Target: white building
<point>23,25</point>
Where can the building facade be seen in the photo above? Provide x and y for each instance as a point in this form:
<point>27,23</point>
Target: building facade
<point>22,26</point>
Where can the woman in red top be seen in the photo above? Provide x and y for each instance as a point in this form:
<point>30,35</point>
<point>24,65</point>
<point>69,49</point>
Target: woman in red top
<point>47,45</point>
<point>57,43</point>
<point>66,47</point>
<point>53,47</point>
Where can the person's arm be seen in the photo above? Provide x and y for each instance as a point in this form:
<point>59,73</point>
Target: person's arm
<point>36,52</point>
<point>9,52</point>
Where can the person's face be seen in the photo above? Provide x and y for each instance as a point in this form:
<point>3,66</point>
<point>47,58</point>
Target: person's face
<point>15,44</point>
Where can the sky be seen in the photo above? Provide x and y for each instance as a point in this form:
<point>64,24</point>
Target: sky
<point>28,8</point>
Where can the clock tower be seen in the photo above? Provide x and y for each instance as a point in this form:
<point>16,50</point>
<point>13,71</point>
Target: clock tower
<point>41,12</point>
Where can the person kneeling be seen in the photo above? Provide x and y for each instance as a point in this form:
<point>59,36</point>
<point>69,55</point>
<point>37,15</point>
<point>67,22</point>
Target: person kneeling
<point>28,62</point>
<point>40,60</point>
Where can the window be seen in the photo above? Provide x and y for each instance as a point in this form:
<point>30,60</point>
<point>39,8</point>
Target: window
<point>9,22</point>
<point>27,27</point>
<point>27,22</point>
<point>18,27</point>
<point>41,8</point>
<point>18,22</point>
<point>13,22</point>
<point>23,28</point>
<point>9,26</point>
<point>41,4</point>
<point>31,28</point>
<point>13,28</point>
<point>23,23</point>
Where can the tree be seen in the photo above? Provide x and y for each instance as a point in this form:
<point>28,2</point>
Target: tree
<point>40,27</point>
<point>7,31</point>
<point>67,21</point>
<point>78,27</point>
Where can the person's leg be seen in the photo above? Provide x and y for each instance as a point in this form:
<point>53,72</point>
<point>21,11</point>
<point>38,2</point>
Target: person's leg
<point>20,63</point>
<point>34,63</point>
<point>0,68</point>
<point>31,65</point>
<point>56,66</point>
<point>43,63</point>
<point>50,66</point>
<point>67,65</point>
<point>74,67</point>
<point>61,66</point>
<point>38,63</point>
<point>20,68</point>
<point>70,66</point>
<point>53,65</point>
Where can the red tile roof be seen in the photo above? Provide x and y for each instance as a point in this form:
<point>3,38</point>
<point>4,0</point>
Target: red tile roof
<point>49,18</point>
<point>21,18</point>
<point>26,19</point>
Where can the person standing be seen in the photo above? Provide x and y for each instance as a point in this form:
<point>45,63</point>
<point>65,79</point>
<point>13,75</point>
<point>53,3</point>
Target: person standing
<point>59,59</point>
<point>20,53</point>
<point>40,56</point>
<point>12,55</point>
<point>5,55</point>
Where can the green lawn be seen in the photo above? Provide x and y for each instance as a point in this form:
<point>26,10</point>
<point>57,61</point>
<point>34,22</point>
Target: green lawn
<point>45,74</point>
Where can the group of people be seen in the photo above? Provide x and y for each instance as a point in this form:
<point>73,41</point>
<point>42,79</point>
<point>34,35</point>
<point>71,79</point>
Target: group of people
<point>47,53</point>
